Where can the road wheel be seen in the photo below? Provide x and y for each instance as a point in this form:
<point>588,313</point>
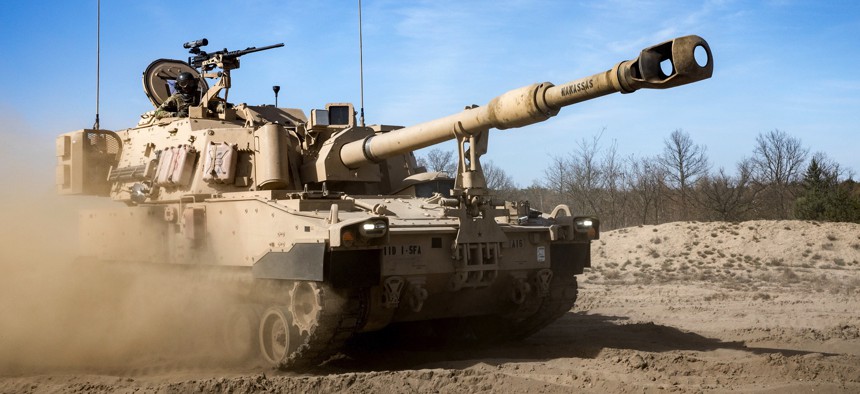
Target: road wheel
<point>278,337</point>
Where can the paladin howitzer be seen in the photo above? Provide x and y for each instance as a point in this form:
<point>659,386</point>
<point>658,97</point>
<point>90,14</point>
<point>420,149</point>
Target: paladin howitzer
<point>332,227</point>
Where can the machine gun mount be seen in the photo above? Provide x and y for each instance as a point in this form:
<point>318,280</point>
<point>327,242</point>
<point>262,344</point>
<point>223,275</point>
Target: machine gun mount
<point>223,59</point>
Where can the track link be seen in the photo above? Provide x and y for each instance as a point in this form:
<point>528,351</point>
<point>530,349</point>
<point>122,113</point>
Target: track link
<point>492,329</point>
<point>562,296</point>
<point>342,314</point>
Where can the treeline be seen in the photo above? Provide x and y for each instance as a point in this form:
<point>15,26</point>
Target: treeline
<point>779,179</point>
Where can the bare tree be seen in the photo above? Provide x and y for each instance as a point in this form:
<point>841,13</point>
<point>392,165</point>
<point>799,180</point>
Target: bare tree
<point>497,179</point>
<point>777,163</point>
<point>439,160</point>
<point>556,181</point>
<point>578,180</point>
<point>614,188</point>
<point>684,163</point>
<point>538,196</point>
<point>586,175</point>
<point>646,182</point>
<point>730,197</point>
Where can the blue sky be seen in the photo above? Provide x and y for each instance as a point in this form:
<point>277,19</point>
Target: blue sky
<point>788,65</point>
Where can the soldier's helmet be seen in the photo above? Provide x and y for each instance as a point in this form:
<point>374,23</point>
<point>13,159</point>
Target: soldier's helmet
<point>186,83</point>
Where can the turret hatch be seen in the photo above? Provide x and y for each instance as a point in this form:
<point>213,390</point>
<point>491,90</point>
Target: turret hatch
<point>160,75</point>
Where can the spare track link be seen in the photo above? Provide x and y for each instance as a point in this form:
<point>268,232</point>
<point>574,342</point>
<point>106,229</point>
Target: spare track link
<point>341,315</point>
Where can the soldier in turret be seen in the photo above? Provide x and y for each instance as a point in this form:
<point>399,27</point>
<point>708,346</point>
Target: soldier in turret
<point>187,94</point>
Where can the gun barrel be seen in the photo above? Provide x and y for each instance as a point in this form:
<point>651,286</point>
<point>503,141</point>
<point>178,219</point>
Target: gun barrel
<point>251,50</point>
<point>539,102</point>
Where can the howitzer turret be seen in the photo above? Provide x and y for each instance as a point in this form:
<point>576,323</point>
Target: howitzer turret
<point>332,226</point>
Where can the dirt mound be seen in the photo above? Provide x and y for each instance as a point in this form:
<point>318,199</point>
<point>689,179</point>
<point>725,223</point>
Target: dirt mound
<point>819,256</point>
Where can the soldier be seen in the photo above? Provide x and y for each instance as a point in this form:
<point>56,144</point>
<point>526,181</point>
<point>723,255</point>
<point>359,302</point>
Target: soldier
<point>187,94</point>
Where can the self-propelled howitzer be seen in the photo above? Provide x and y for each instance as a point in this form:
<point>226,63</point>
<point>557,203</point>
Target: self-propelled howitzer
<point>331,226</point>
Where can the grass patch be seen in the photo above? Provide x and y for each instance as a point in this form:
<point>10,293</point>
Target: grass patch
<point>612,274</point>
<point>787,276</point>
<point>761,296</point>
<point>775,262</point>
<point>716,297</point>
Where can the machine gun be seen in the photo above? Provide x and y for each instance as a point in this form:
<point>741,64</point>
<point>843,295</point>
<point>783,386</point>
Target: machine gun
<point>223,59</point>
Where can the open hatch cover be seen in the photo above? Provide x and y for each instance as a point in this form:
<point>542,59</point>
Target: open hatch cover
<point>160,75</point>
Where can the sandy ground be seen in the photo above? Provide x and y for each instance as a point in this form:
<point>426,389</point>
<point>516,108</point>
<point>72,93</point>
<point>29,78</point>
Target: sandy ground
<point>757,306</point>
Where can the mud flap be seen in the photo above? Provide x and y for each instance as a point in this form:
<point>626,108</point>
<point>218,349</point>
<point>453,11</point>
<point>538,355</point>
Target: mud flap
<point>354,268</point>
<point>302,262</point>
<point>570,258</point>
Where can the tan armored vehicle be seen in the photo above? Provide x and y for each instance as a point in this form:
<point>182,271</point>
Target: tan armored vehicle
<point>333,226</point>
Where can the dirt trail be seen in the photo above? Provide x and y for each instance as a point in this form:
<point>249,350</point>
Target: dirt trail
<point>681,307</point>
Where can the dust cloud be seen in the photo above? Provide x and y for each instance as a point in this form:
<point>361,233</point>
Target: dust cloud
<point>61,314</point>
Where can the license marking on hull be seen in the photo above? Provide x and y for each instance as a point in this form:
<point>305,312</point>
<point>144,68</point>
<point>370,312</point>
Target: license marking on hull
<point>402,250</point>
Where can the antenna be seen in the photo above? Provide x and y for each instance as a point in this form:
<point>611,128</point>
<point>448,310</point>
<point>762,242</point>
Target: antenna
<point>98,57</point>
<point>276,89</point>
<point>361,63</point>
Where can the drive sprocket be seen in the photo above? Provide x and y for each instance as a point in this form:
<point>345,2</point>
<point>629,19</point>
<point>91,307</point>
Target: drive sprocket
<point>306,306</point>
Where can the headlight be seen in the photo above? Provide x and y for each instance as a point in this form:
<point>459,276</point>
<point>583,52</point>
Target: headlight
<point>585,223</point>
<point>369,232</point>
<point>373,228</point>
<point>586,228</point>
